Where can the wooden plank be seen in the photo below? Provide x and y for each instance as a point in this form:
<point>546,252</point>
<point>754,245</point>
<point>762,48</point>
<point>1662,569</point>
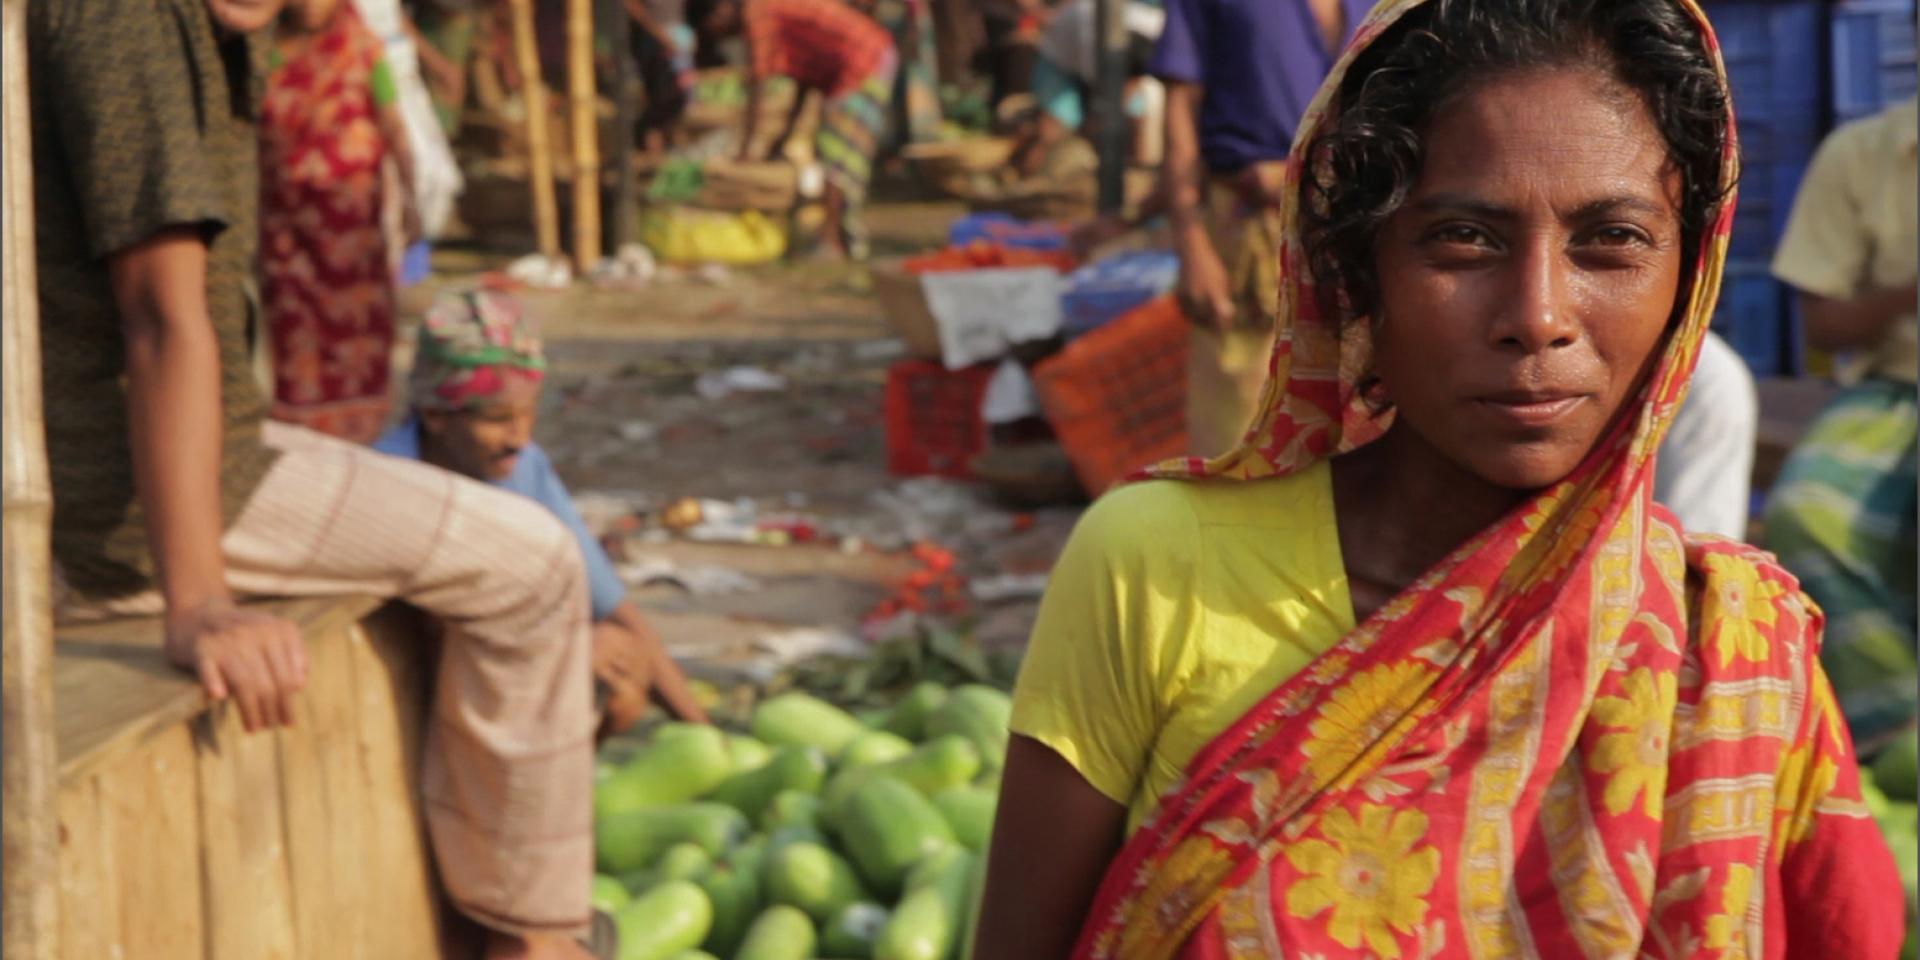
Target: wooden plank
<point>89,884</point>
<point>391,684</point>
<point>115,688</point>
<point>323,794</point>
<point>150,804</point>
<point>29,863</point>
<point>243,841</point>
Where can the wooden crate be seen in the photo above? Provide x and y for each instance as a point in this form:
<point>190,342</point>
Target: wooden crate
<point>181,836</point>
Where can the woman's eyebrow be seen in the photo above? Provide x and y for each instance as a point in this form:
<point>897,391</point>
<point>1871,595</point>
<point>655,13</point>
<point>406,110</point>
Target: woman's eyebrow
<point>1487,209</point>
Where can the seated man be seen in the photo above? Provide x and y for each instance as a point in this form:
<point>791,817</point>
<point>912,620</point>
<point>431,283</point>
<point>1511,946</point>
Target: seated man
<point>1841,516</point>
<point>175,497</point>
<point>474,393</point>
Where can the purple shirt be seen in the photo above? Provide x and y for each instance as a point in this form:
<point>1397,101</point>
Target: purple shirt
<point>1260,62</point>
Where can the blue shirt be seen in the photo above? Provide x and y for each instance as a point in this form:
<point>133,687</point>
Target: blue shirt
<point>533,476</point>
<point>1260,62</point>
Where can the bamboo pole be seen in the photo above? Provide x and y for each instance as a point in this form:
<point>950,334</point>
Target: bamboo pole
<point>29,908</point>
<point>582,99</point>
<point>626,110</point>
<point>533,94</point>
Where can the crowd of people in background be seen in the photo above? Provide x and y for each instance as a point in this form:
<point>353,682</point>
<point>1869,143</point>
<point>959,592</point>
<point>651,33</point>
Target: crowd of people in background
<point>226,184</point>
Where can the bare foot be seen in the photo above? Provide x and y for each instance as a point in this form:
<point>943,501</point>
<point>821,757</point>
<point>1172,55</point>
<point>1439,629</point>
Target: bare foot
<point>502,946</point>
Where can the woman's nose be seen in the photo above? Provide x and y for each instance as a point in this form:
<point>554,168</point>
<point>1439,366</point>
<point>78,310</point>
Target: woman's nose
<point>1538,314</point>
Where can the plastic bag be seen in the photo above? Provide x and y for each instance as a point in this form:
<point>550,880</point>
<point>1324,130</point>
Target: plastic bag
<point>689,235</point>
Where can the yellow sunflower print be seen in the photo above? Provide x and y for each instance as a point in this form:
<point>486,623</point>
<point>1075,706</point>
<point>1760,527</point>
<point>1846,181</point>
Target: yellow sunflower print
<point>1739,603</point>
<point>1371,871</point>
<point>1357,713</point>
<point>1635,758</point>
<point>1724,929</point>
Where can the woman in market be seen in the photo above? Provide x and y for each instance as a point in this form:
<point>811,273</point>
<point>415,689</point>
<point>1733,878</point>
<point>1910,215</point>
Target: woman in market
<point>1420,669</point>
<point>328,126</point>
<point>473,395</point>
<point>829,48</point>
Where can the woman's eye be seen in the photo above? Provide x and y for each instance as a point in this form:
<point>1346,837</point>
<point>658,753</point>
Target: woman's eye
<point>1460,234</point>
<point>1618,236</point>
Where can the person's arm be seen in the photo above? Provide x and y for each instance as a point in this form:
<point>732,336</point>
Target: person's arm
<point>1053,837</point>
<point>750,121</point>
<point>1204,289</point>
<point>667,682</point>
<point>643,18</point>
<point>1855,323</point>
<point>393,130</point>
<point>800,95</point>
<point>444,73</point>
<point>174,416</point>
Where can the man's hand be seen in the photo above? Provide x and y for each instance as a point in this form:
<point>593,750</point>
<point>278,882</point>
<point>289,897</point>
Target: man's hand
<point>630,659</point>
<point>257,660</point>
<point>1205,292</point>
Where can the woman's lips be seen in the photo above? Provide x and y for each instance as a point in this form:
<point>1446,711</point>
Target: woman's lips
<point>1531,409</point>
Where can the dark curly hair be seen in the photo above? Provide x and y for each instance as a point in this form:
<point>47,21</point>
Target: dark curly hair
<point>1363,164</point>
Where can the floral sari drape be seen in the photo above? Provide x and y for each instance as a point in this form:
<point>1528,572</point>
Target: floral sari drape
<point>1583,734</point>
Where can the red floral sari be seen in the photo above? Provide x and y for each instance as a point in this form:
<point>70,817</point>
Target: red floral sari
<point>1581,735</point>
<point>327,284</point>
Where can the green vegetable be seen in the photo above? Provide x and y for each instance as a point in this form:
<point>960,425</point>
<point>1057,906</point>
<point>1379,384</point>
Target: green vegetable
<point>795,719</point>
<point>908,718</point>
<point>640,881</point>
<point>735,895</point>
<point>694,955</point>
<point>747,753</point>
<point>787,836</point>
<point>630,841</point>
<point>948,761</point>
<point>851,934</point>
<point>779,933</point>
<point>888,828</point>
<point>791,808</point>
<point>969,811</point>
<point>792,768</point>
<point>675,770</point>
<point>811,877</point>
<point>609,894</point>
<point>872,748</point>
<point>1897,768</point>
<point>684,861</point>
<point>666,920</point>
<point>930,920</point>
<point>749,855</point>
<point>872,718</point>
<point>980,714</point>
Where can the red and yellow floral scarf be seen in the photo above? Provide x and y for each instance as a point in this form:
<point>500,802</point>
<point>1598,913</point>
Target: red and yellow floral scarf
<point>1581,735</point>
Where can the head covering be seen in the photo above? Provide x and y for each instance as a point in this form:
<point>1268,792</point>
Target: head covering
<point>471,342</point>
<point>1578,735</point>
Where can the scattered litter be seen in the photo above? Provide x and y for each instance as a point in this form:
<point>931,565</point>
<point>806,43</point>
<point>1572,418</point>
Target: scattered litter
<point>701,581</point>
<point>713,274</point>
<point>719,384</point>
<point>632,268</point>
<point>542,272</point>
<point>603,511</point>
<point>639,431</point>
<point>892,348</point>
<point>1008,586</point>
<point>784,648</point>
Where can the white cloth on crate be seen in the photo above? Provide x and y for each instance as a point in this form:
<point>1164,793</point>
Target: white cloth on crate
<point>1704,473</point>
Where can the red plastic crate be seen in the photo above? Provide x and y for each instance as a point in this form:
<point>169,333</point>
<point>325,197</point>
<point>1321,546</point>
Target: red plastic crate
<point>934,426</point>
<point>1117,397</point>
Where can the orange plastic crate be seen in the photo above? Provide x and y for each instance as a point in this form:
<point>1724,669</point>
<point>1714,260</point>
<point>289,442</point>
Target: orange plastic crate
<point>1117,397</point>
<point>934,426</point>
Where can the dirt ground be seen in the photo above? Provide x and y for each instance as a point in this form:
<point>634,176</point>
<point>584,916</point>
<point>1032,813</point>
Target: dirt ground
<point>627,423</point>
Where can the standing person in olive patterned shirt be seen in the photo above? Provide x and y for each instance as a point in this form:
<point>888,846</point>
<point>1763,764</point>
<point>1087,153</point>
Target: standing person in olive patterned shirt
<point>173,497</point>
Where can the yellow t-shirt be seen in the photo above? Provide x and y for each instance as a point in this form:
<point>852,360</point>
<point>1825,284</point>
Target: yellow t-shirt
<point>1853,226</point>
<point>1175,607</point>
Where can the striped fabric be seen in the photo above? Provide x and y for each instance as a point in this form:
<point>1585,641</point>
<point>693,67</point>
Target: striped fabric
<point>508,774</point>
<point>851,126</point>
<point>1841,517</point>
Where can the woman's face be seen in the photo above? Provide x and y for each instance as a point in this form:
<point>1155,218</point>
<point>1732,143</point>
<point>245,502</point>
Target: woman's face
<point>1532,272</point>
